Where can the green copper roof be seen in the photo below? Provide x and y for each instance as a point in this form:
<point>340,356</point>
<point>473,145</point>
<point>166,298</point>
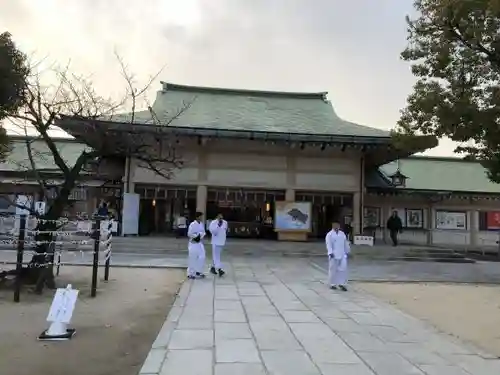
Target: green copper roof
<point>17,159</point>
<point>443,174</point>
<point>247,110</point>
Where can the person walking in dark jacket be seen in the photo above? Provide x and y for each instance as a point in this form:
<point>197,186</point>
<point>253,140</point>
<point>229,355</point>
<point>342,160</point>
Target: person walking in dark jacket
<point>395,226</point>
<point>103,209</point>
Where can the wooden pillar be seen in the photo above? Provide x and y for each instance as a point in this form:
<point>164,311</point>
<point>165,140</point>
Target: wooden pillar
<point>201,199</point>
<point>473,227</point>
<point>430,224</point>
<point>356,209</point>
<point>128,176</point>
<point>386,213</point>
<point>358,201</point>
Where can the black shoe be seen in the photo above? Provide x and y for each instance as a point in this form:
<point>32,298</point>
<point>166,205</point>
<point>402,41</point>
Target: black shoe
<point>200,275</point>
<point>213,271</point>
<point>333,287</point>
<point>221,272</point>
<point>343,288</point>
<point>191,277</point>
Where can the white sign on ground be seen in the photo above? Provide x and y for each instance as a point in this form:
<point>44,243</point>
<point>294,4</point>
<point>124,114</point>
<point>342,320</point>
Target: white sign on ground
<point>363,240</point>
<point>60,314</point>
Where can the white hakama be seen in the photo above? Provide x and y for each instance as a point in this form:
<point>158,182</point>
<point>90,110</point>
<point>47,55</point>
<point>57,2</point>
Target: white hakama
<point>196,250</point>
<point>338,248</point>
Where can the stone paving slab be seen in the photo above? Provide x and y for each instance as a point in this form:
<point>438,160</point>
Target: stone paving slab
<point>277,317</point>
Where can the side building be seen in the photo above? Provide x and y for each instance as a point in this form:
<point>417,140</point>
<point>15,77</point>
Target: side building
<point>443,201</point>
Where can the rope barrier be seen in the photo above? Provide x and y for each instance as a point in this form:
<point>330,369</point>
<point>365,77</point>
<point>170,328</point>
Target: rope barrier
<point>25,229</point>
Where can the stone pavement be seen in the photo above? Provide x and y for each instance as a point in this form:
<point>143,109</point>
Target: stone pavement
<point>275,316</point>
<point>401,271</point>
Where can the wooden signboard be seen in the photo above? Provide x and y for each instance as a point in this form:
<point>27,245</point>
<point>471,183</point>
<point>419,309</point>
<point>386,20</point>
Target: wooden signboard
<point>292,220</point>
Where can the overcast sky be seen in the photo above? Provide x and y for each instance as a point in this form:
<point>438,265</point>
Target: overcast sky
<point>348,48</point>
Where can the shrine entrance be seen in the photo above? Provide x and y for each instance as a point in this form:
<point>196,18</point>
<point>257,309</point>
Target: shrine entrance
<point>326,208</point>
<point>160,206</point>
<point>249,212</point>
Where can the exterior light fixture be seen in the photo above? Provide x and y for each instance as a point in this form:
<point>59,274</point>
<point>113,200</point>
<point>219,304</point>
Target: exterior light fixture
<point>398,179</point>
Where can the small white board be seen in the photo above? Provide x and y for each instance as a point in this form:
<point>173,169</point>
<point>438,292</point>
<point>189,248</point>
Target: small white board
<point>363,240</point>
<point>60,314</point>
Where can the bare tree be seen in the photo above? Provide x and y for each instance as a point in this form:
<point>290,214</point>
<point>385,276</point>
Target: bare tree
<point>105,125</point>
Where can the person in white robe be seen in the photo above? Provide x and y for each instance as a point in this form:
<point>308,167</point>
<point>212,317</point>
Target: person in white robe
<point>338,248</point>
<point>196,250</point>
<point>218,230</point>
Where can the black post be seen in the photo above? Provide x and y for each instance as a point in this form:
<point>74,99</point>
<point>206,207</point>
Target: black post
<point>20,253</point>
<point>106,269</point>
<point>58,263</point>
<point>95,263</point>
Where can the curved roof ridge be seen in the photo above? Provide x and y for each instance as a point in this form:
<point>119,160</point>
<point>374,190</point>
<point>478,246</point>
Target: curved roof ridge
<point>167,86</point>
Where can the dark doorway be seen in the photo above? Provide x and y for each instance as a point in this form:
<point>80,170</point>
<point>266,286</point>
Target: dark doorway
<point>327,214</point>
<point>160,206</point>
<point>146,216</point>
<point>158,216</point>
<point>326,208</point>
<point>249,212</point>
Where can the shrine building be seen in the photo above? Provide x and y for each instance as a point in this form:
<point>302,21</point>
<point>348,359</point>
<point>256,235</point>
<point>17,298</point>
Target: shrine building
<point>246,152</point>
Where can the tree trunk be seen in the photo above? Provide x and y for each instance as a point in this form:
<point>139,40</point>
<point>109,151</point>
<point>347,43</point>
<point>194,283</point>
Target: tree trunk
<point>41,265</point>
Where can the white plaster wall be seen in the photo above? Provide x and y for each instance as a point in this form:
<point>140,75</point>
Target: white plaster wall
<point>246,161</point>
<point>487,238</point>
<point>329,174</point>
<point>256,164</point>
<point>450,237</point>
<point>246,178</point>
<point>414,236</point>
<point>328,182</point>
<point>329,165</point>
<point>184,176</point>
<point>180,177</point>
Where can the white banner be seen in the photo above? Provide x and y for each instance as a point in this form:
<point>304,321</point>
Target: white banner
<point>451,220</point>
<point>130,213</point>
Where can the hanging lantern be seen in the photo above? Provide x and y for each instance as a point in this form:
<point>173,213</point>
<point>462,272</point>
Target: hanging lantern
<point>398,179</point>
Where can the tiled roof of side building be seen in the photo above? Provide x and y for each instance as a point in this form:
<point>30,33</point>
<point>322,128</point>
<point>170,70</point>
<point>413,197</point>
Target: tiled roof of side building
<point>248,110</point>
<point>442,174</point>
<point>17,160</point>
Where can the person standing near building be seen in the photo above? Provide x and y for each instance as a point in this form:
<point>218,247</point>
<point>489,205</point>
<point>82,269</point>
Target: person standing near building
<point>103,210</point>
<point>395,226</point>
<point>218,229</point>
<point>196,250</point>
<point>338,248</point>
